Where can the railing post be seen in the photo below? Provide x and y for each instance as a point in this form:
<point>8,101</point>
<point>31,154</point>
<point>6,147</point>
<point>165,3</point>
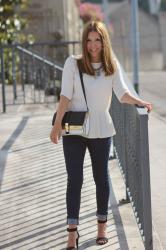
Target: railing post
<point>144,155</point>
<point>14,75</point>
<point>3,81</point>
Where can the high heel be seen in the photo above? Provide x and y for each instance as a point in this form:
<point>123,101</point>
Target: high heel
<point>77,240</point>
<point>101,240</point>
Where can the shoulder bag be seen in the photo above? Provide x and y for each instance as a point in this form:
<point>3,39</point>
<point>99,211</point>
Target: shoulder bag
<point>75,122</point>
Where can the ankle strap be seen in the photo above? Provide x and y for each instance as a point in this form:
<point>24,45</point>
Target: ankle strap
<point>72,229</point>
<point>102,221</point>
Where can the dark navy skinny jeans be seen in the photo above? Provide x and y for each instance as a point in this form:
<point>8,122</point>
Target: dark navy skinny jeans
<point>74,152</point>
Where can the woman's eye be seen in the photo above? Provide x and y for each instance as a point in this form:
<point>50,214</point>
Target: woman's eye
<point>97,40</point>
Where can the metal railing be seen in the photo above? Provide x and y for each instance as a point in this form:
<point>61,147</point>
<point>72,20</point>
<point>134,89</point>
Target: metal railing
<point>31,73</point>
<point>131,146</point>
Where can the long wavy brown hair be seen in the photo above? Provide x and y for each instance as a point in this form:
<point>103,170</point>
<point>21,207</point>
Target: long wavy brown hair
<point>84,63</point>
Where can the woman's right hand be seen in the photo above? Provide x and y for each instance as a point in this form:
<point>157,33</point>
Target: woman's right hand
<point>56,132</point>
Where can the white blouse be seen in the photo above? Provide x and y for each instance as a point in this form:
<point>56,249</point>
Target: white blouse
<point>98,93</point>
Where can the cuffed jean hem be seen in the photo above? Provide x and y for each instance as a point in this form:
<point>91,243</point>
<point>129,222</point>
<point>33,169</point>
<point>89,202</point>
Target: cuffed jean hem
<point>101,217</point>
<point>72,221</point>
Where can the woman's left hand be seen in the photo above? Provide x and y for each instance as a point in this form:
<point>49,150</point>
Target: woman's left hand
<point>146,105</point>
<point>132,99</point>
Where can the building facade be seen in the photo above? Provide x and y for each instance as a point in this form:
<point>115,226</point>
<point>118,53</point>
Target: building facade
<point>54,21</point>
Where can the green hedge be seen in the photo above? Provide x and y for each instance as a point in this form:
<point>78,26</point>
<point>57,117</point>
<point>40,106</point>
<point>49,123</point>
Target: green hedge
<point>163,5</point>
<point>144,5</point>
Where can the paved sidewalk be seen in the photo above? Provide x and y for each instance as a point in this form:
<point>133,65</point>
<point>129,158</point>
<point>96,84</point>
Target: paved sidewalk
<point>33,183</point>
<point>157,141</point>
<point>153,89</point>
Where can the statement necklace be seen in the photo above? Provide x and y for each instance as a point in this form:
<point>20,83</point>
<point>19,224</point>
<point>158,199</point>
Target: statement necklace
<point>98,71</point>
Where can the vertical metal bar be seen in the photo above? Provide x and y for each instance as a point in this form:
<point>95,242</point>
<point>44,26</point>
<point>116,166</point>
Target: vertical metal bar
<point>14,76</point>
<point>22,72</point>
<point>135,42</point>
<point>45,82</point>
<point>3,81</point>
<point>30,63</point>
<point>34,77</point>
<point>54,82</point>
<point>38,86</point>
<point>43,74</point>
<point>39,83</point>
<point>74,48</point>
<point>144,151</point>
<point>125,110</point>
<point>123,35</point>
<point>105,9</point>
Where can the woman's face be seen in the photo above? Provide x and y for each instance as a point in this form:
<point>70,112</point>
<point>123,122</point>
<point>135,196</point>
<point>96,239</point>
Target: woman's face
<point>94,46</point>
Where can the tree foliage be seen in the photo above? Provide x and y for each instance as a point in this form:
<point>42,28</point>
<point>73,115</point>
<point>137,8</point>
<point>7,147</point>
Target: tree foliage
<point>11,21</point>
<point>11,26</point>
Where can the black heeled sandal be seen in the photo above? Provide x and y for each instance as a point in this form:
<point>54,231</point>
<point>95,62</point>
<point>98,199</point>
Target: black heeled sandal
<point>73,230</point>
<point>101,240</point>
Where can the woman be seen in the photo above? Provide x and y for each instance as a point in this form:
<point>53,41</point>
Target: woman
<point>101,74</point>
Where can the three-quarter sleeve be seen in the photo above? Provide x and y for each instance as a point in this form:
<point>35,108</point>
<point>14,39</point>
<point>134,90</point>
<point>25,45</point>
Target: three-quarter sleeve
<point>68,78</point>
<point>119,85</point>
